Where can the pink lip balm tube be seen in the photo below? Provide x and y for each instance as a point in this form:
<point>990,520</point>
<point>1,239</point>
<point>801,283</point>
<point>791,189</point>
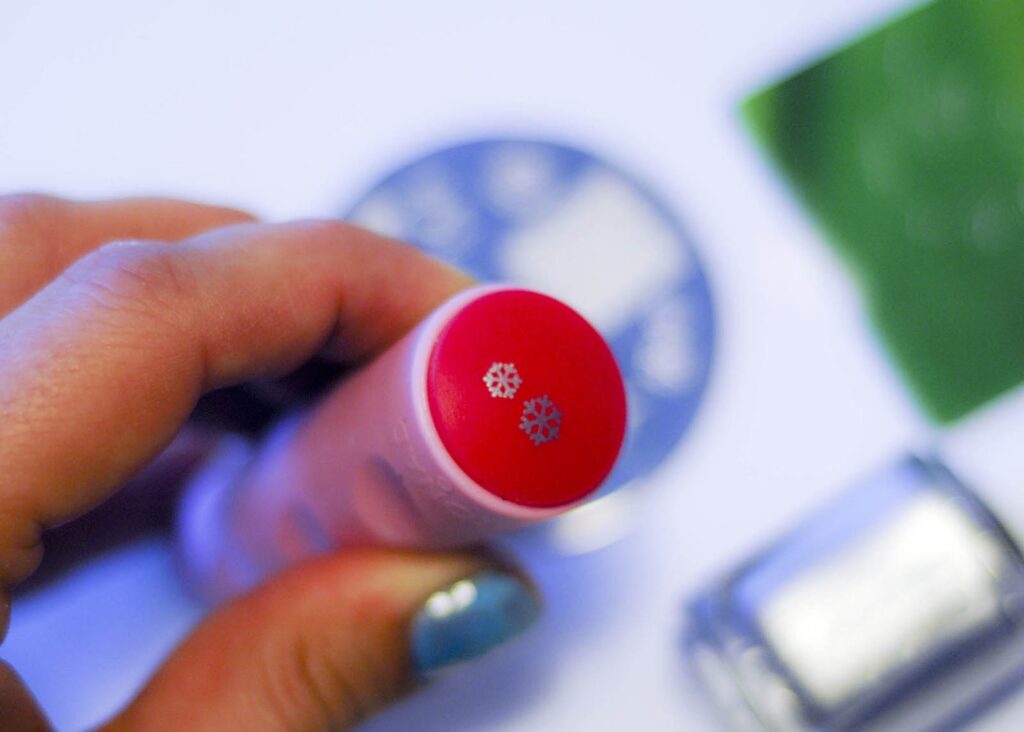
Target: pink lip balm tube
<point>503,408</point>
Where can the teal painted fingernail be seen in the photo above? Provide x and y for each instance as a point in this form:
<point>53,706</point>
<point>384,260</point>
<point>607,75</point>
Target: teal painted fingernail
<point>469,618</point>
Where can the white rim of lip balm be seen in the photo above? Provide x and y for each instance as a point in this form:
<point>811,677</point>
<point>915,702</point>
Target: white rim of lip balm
<point>432,328</point>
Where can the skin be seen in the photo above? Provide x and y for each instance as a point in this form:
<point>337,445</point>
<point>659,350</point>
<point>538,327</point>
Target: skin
<point>105,350</point>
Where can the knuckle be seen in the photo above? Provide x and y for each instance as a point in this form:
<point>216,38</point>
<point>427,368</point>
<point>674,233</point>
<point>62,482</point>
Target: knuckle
<point>139,275</point>
<point>325,228</point>
<point>25,214</point>
<point>303,678</point>
<point>317,232</point>
<point>293,696</point>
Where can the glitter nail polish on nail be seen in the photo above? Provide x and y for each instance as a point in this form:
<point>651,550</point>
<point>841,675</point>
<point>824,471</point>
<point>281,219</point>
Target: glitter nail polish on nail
<point>469,618</point>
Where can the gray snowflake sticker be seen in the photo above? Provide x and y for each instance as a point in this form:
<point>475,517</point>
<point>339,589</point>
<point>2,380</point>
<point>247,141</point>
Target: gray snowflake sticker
<point>541,420</point>
<point>503,380</point>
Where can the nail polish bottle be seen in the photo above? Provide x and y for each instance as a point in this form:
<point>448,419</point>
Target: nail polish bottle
<point>898,607</point>
<point>503,408</point>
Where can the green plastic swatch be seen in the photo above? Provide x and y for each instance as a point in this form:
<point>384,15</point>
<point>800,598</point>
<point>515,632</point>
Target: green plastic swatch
<point>908,149</point>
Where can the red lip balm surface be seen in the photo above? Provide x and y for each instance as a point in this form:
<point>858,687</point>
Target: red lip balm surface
<point>527,398</point>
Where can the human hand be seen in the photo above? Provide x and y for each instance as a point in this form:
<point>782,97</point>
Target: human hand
<point>105,349</point>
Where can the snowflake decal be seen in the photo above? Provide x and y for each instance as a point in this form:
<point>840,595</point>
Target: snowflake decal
<point>503,380</point>
<point>541,420</point>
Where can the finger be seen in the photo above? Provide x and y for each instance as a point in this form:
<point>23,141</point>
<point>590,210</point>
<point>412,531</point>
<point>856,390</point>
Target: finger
<point>18,708</point>
<point>100,369</point>
<point>145,504</point>
<point>326,644</point>
<point>41,235</point>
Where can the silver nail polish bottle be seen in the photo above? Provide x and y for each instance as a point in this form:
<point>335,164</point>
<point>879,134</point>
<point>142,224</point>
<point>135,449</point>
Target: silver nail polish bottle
<point>898,607</point>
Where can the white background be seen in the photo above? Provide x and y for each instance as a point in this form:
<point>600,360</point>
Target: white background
<point>293,109</point>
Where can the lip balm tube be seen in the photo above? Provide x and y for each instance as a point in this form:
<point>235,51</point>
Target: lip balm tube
<point>898,607</point>
<point>501,409</point>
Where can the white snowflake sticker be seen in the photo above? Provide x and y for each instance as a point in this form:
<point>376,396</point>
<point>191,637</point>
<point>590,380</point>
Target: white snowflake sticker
<point>503,380</point>
<point>541,420</point>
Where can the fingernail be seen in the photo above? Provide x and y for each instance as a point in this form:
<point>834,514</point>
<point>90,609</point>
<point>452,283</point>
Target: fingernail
<point>469,618</point>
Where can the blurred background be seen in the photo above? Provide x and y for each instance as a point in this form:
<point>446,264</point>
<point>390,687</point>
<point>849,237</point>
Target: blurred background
<point>616,134</point>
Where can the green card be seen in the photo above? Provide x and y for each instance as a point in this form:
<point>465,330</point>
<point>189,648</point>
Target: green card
<point>908,148</point>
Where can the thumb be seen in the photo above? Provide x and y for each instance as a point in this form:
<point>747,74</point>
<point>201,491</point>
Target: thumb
<point>328,643</point>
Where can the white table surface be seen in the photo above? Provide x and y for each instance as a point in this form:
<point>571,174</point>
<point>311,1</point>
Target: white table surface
<point>293,109</point>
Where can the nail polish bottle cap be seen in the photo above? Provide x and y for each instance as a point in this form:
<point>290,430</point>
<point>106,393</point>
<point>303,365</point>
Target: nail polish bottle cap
<point>526,397</point>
